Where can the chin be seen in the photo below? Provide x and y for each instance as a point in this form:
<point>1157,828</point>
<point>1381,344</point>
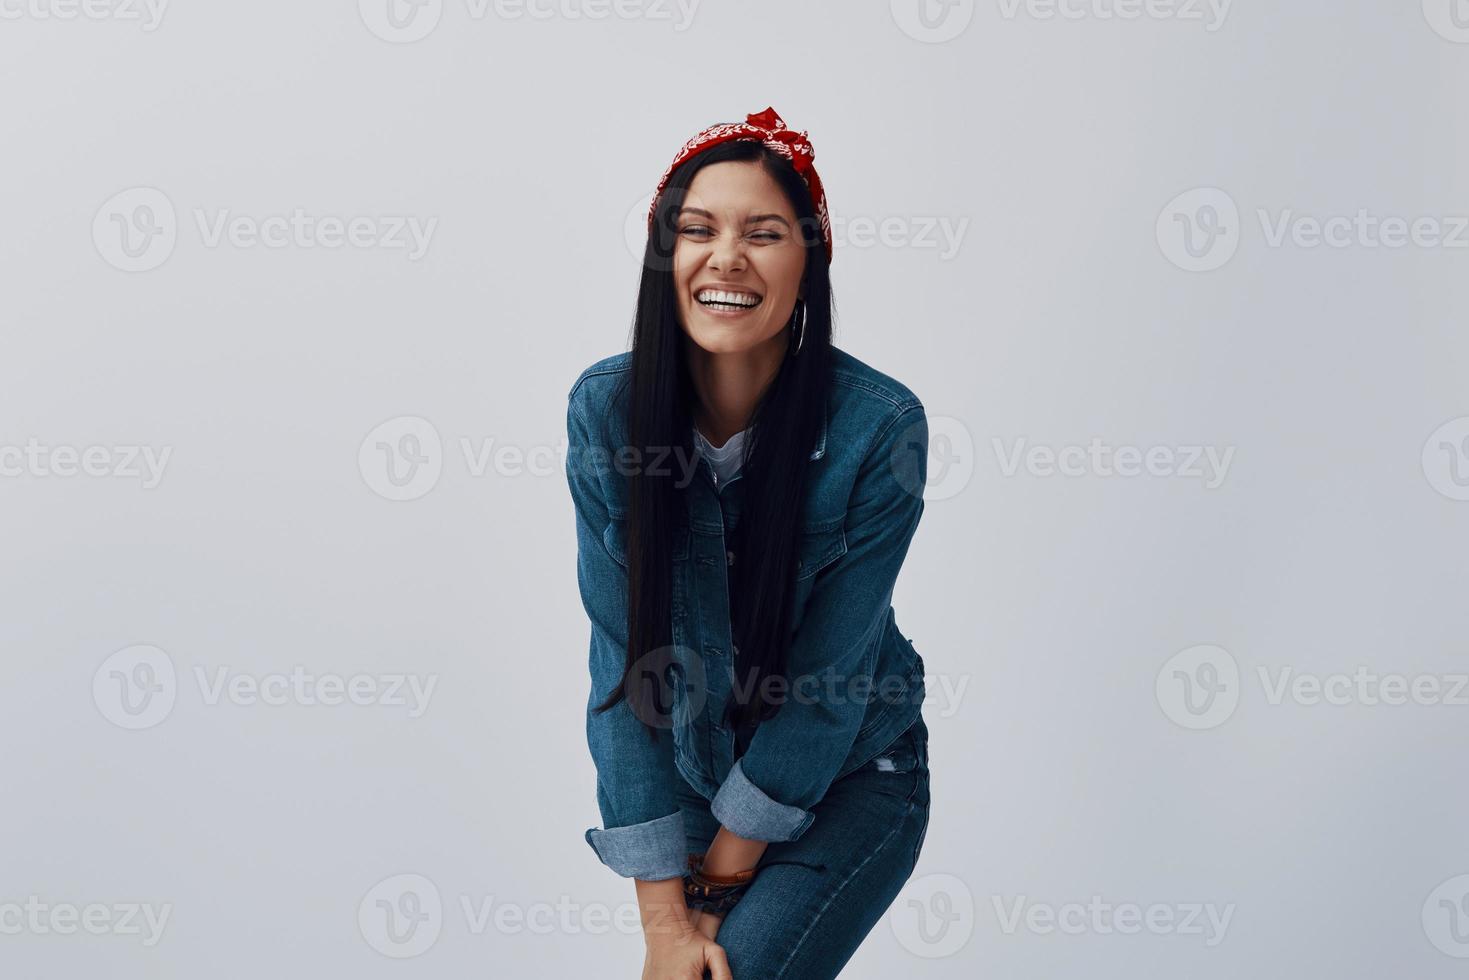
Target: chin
<point>730,340</point>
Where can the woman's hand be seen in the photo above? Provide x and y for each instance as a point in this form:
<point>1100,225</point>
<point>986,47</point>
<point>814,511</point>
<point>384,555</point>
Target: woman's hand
<point>685,956</point>
<point>707,922</point>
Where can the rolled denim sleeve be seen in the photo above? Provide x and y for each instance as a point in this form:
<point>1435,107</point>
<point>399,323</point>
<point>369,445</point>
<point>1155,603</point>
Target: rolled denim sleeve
<point>643,829</point>
<point>794,757</point>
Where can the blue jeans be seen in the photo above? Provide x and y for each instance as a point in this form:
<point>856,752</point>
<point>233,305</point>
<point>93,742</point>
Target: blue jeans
<point>815,898</point>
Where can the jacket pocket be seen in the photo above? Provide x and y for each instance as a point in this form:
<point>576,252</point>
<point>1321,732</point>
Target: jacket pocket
<point>614,538</point>
<point>815,551</point>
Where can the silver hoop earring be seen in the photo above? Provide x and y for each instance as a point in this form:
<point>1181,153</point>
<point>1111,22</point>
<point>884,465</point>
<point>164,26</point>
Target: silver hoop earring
<point>801,335</point>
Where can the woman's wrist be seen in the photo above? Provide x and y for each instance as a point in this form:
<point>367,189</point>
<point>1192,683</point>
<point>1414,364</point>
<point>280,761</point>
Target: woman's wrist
<point>664,910</point>
<point>730,854</point>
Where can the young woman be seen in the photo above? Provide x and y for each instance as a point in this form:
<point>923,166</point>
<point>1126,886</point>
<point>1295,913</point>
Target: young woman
<point>745,494</point>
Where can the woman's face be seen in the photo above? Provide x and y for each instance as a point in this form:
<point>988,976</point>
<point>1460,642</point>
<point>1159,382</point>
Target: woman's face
<point>737,234</point>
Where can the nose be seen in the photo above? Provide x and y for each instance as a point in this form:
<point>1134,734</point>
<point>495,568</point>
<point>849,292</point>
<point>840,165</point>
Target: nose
<point>727,253</point>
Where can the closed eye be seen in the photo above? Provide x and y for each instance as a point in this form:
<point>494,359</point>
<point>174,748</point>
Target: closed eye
<point>701,230</point>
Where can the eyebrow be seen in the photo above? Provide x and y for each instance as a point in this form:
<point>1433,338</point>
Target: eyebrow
<point>750,220</point>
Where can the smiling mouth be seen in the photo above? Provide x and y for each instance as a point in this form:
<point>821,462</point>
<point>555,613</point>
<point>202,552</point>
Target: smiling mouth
<point>720,301</point>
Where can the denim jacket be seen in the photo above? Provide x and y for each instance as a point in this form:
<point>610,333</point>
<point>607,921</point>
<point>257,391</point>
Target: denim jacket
<point>855,682</point>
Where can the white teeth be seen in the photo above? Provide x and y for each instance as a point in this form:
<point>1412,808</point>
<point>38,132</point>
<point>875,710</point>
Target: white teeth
<point>727,299</point>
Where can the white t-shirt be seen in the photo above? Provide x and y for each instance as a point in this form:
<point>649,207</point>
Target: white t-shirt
<point>726,459</point>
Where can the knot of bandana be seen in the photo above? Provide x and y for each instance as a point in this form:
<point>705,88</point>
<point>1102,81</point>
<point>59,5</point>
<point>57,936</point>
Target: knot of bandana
<point>765,127</point>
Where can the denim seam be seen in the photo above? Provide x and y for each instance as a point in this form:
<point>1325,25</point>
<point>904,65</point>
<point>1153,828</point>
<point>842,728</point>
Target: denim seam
<point>835,892</point>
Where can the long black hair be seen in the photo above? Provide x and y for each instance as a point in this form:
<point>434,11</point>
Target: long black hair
<point>787,422</point>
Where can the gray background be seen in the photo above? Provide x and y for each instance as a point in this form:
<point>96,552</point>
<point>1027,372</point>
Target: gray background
<point>1069,767</point>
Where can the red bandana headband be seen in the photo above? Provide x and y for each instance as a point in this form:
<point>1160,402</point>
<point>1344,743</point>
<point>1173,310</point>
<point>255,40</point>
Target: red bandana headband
<point>767,127</point>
